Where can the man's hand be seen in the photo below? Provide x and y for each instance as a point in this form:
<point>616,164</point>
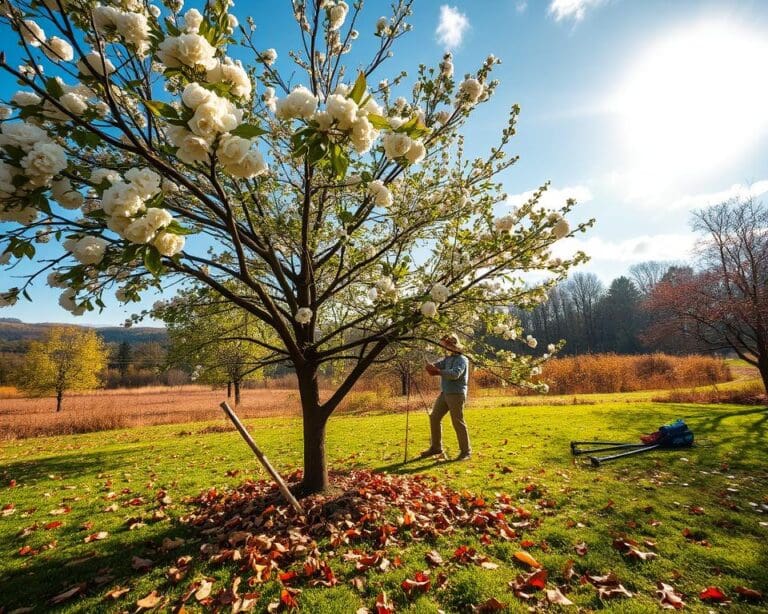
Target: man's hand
<point>432,369</point>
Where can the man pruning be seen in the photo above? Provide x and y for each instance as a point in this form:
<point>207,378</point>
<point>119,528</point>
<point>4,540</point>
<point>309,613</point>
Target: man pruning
<point>453,370</point>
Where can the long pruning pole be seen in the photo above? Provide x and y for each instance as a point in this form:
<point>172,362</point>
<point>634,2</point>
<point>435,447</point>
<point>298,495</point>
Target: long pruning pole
<point>262,458</point>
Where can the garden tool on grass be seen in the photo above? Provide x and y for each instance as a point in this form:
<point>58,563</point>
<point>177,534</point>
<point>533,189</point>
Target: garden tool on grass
<point>670,436</point>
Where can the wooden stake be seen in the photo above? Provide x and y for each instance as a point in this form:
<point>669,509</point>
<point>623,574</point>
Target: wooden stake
<point>262,459</point>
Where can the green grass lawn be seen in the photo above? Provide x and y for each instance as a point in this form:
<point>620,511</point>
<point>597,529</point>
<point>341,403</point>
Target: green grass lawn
<point>716,490</point>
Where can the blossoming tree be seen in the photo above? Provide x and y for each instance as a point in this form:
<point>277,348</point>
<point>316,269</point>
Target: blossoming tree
<point>338,206</point>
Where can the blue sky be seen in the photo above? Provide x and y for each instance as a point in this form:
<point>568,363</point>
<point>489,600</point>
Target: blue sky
<point>642,109</point>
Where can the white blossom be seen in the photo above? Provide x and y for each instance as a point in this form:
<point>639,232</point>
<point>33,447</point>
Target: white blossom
<point>269,56</point>
<point>380,193</point>
<point>22,135</point>
<point>531,341</point>
<point>66,195</point>
<point>561,228</point>
<point>168,244</point>
<point>471,90</point>
<point>336,15</point>
<point>299,103</point>
<point>89,250</point>
<point>192,20</point>
<point>32,33</point>
<point>73,103</point>
<point>144,181</point>
<point>440,293</point>
<point>396,145</point>
<point>57,49</point>
<point>44,161</point>
<point>187,50</point>
<point>429,309</point>
<point>94,65</point>
<point>25,99</point>
<point>303,315</point>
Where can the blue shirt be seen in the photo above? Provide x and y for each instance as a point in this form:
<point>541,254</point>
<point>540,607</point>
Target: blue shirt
<point>454,374</point>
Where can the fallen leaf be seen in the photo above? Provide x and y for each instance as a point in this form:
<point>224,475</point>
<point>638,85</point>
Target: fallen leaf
<point>748,593</point>
<point>714,594</point>
<point>204,590</point>
<point>93,537</point>
<point>489,606</point>
<point>527,559</point>
<point>581,548</point>
<point>669,598</point>
<point>555,596</point>
<point>382,604</point>
<point>612,592</point>
<point>68,594</point>
<point>150,601</point>
<point>116,593</point>
<point>433,558</point>
<point>420,583</point>
<point>140,564</point>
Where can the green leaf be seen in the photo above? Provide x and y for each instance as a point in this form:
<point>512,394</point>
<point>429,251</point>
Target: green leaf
<point>248,131</point>
<point>378,121</point>
<point>339,161</point>
<point>161,109</point>
<point>177,229</point>
<point>54,88</point>
<point>152,260</point>
<point>359,88</point>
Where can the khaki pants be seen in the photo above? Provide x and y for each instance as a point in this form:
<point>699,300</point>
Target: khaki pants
<point>454,403</point>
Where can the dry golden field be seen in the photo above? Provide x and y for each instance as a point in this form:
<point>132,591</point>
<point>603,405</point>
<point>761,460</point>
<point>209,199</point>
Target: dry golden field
<point>657,377</point>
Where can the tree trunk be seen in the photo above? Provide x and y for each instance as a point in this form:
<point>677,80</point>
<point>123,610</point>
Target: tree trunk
<point>59,398</point>
<point>229,390</point>
<point>405,383</point>
<point>762,366</point>
<point>237,392</point>
<point>315,467</point>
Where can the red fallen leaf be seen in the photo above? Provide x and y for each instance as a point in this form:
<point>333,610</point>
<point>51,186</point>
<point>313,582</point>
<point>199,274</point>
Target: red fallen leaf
<point>536,580</point>
<point>581,548</point>
<point>489,606</point>
<point>12,484</point>
<point>610,579</point>
<point>116,593</point>
<point>288,597</point>
<point>669,598</point>
<point>27,551</point>
<point>93,537</point>
<point>714,594</point>
<point>748,593</point>
<point>382,604</point>
<point>555,596</point>
<point>64,509</point>
<point>68,594</point>
<point>150,601</point>
<point>54,524</point>
<point>433,558</point>
<point>420,583</point>
<point>608,505</point>
<point>696,510</point>
<point>527,543</point>
<point>287,576</point>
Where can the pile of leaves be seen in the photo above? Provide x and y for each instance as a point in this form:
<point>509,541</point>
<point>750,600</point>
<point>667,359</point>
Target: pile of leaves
<point>365,514</point>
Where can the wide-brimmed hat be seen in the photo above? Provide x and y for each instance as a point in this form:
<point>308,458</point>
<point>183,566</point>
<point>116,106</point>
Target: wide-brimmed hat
<point>452,339</point>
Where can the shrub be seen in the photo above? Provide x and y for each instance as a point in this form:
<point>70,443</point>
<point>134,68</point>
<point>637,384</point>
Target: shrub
<point>591,373</point>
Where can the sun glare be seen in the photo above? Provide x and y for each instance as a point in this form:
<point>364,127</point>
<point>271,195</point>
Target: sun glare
<point>695,100</point>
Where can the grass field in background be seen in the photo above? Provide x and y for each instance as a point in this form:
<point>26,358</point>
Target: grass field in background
<point>726,475</point>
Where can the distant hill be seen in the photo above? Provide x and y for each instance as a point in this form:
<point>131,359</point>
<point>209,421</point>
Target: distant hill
<point>14,332</point>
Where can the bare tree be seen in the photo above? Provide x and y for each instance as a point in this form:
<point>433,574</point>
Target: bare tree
<point>725,304</point>
<point>647,274</point>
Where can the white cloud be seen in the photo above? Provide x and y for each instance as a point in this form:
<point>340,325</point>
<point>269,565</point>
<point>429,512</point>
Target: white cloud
<point>521,5</point>
<point>451,27</point>
<point>572,9</point>
<point>665,246</point>
<point>553,198</point>
<point>737,190</point>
